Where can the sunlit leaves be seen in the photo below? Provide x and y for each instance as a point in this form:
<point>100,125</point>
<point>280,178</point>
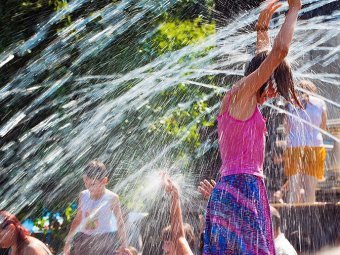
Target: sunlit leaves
<point>176,34</point>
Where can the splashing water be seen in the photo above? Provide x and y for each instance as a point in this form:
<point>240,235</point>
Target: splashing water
<point>106,115</point>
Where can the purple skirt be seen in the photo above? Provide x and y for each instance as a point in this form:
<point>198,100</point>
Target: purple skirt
<point>238,218</point>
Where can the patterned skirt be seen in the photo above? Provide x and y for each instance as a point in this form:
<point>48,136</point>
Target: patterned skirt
<point>238,218</point>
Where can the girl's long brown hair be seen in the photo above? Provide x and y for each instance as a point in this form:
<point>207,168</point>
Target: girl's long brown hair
<point>21,232</point>
<point>283,77</point>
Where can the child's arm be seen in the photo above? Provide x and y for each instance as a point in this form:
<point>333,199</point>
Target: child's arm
<point>176,219</point>
<point>74,225</point>
<point>249,85</point>
<point>262,26</point>
<point>324,118</point>
<point>116,208</point>
<point>286,125</point>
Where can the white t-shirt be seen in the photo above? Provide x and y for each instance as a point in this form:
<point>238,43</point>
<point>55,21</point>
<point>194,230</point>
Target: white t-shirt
<point>302,134</point>
<point>283,246</point>
<point>97,215</point>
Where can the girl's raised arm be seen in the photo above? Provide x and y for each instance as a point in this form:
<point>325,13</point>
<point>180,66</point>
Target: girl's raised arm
<point>262,26</point>
<point>249,85</point>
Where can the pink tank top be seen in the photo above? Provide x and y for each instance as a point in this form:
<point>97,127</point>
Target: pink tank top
<point>241,143</point>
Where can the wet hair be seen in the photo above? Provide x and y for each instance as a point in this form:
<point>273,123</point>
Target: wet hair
<point>7,219</point>
<point>276,218</point>
<point>189,234</point>
<point>282,75</point>
<point>95,170</point>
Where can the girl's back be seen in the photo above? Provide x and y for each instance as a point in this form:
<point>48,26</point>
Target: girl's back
<point>241,143</point>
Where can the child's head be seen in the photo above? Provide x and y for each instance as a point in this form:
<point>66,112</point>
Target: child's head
<point>168,246</point>
<point>11,231</point>
<point>281,81</point>
<point>95,176</point>
<point>308,86</point>
<point>276,221</point>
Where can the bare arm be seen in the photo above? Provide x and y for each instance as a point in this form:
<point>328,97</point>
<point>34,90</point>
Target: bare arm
<point>249,85</point>
<point>324,120</point>
<point>263,41</point>
<point>116,208</point>
<point>183,247</point>
<point>176,220</point>
<point>286,126</point>
<point>74,225</point>
<point>262,26</point>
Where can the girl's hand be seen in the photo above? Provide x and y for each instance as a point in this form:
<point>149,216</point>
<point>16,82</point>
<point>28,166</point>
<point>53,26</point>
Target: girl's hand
<point>267,14</point>
<point>296,4</point>
<point>205,187</point>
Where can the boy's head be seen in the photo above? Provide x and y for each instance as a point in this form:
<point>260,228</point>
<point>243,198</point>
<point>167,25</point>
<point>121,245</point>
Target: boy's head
<point>168,246</point>
<point>95,175</point>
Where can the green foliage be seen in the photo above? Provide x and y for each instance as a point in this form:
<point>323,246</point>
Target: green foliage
<point>176,34</point>
<point>184,123</point>
<point>191,9</point>
<point>181,123</point>
<point>58,4</point>
<point>69,212</point>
